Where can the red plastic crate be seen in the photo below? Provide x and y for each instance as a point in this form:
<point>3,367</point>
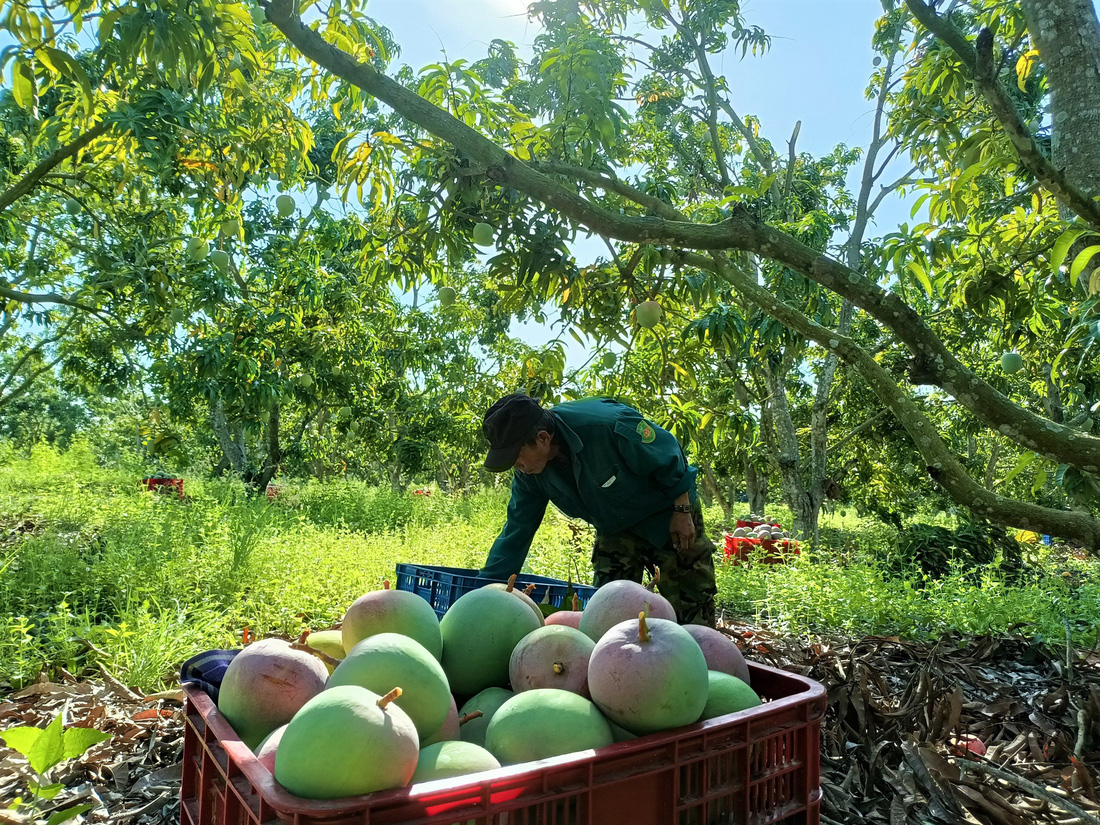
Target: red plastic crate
<point>738,549</point>
<point>164,485</point>
<point>757,767</point>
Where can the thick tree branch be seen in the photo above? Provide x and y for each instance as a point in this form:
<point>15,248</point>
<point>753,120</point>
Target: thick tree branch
<point>741,231</point>
<point>30,180</point>
<point>611,184</point>
<point>44,298</point>
<point>941,464</point>
<point>979,59</point>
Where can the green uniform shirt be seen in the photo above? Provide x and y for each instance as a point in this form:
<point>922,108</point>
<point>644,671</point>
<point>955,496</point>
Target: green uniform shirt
<point>626,474</point>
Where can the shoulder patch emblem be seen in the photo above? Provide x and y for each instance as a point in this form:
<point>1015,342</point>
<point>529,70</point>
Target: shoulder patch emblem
<point>646,432</point>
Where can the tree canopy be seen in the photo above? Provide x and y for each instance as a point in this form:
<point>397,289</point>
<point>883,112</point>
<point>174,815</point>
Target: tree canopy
<point>145,149</point>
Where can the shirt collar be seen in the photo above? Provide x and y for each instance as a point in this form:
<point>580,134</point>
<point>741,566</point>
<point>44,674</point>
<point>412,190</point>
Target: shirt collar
<point>571,439</point>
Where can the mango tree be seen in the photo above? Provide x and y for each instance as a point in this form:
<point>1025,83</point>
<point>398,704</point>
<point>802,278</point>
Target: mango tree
<point>129,133</point>
<point>545,156</point>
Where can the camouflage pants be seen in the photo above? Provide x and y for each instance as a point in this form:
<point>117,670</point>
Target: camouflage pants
<point>688,585</point>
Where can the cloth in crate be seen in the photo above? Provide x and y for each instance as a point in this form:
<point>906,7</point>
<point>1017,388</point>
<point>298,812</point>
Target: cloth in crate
<point>206,671</point>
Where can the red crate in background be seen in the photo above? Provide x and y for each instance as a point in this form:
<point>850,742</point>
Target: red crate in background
<point>737,549</point>
<point>164,485</point>
<point>757,767</point>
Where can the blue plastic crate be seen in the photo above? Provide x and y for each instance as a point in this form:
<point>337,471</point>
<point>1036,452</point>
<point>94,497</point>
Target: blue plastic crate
<point>442,586</point>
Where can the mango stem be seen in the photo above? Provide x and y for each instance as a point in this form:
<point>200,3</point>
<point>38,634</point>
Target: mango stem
<point>559,667</point>
<point>389,697</point>
<point>643,631</point>
<point>576,602</point>
<point>512,582</point>
<point>324,657</point>
<point>474,714</point>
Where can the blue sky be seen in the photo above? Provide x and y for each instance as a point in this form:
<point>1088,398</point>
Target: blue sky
<point>816,71</point>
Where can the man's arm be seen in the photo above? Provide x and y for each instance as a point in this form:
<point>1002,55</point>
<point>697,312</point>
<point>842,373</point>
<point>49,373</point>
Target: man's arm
<point>525,512</point>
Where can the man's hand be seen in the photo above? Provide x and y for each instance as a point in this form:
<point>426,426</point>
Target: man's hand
<point>682,531</point>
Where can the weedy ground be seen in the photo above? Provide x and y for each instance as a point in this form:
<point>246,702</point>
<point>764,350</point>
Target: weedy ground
<point>96,573</point>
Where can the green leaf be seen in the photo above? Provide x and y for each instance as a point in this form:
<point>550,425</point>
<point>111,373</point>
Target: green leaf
<point>21,739</point>
<point>1021,464</point>
<point>48,791</point>
<point>48,750</point>
<point>1040,481</point>
<point>1062,245</point>
<point>74,71</point>
<point>78,740</point>
<point>921,276</point>
<point>22,84</point>
<point>1081,261</point>
<point>67,814</point>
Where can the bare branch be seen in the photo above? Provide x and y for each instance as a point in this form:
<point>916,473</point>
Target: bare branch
<point>904,180</point>
<point>611,184</point>
<point>860,428</point>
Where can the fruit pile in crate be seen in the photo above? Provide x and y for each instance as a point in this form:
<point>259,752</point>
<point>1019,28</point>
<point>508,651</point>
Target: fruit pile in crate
<point>756,532</point>
<point>386,686</point>
<point>496,709</point>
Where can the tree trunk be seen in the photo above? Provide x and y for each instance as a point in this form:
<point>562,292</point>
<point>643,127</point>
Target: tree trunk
<point>1052,403</point>
<point>394,473</point>
<point>756,487</point>
<point>1067,35</point>
<point>442,472</point>
<point>804,508</point>
<point>711,485</point>
<point>220,467</point>
<point>274,452</point>
<point>706,493</point>
<point>991,465</point>
<point>233,449</point>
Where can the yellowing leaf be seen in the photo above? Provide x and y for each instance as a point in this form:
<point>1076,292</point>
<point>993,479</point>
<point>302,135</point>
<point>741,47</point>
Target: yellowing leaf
<point>1025,66</point>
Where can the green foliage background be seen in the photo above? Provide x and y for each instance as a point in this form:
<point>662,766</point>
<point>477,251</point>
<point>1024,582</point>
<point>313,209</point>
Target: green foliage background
<point>95,573</point>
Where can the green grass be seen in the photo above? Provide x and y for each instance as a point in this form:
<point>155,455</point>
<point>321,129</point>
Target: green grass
<point>96,573</point>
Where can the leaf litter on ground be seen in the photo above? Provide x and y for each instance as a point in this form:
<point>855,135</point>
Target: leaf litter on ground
<point>998,730</point>
<point>902,740</point>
